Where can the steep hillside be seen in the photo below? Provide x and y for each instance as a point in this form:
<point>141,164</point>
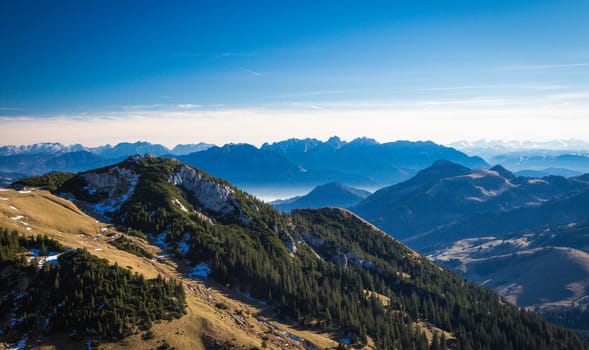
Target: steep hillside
<point>329,195</point>
<point>325,270</point>
<point>447,201</point>
<point>214,315</point>
<point>545,270</point>
<point>519,265</point>
<point>512,234</point>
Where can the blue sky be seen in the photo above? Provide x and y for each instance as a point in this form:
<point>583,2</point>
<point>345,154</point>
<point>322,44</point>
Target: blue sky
<point>234,71</point>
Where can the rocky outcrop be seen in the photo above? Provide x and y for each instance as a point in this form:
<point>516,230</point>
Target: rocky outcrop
<point>211,195</point>
<point>111,188</point>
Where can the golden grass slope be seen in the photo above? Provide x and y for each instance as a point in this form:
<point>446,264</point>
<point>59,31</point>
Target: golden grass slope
<point>243,323</point>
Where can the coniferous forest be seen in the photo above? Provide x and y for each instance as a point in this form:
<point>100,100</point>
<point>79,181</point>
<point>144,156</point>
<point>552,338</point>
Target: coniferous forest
<point>81,295</point>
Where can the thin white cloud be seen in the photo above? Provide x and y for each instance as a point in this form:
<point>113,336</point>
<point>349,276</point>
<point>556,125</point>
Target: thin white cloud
<point>317,93</point>
<point>318,108</point>
<point>188,105</point>
<point>543,66</point>
<point>471,102</point>
<point>252,72</point>
<point>530,86</point>
<point>234,54</point>
<point>584,95</point>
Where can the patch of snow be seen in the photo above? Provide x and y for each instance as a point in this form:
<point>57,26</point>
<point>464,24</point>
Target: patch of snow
<point>2,189</point>
<point>488,193</point>
<point>98,249</point>
<point>3,199</point>
<point>184,246</point>
<point>24,191</point>
<point>15,321</point>
<point>537,181</point>
<point>90,190</point>
<point>200,271</point>
<point>160,240</point>
<point>179,204</point>
<point>28,228</point>
<point>22,344</point>
<point>51,260</point>
<point>205,218</point>
<point>13,207</point>
<point>18,217</point>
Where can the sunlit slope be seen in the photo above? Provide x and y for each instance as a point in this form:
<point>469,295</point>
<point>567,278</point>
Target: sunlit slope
<point>212,315</point>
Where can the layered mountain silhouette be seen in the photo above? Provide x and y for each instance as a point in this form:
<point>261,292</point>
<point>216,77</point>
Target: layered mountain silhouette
<point>447,201</point>
<point>291,163</point>
<point>333,194</point>
<point>381,163</point>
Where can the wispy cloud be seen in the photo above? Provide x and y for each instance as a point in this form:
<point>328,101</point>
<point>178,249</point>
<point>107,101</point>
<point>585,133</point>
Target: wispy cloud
<point>188,106</point>
<point>234,54</point>
<point>543,66</point>
<point>530,86</point>
<point>317,108</point>
<point>252,72</point>
<point>582,95</point>
<point>317,93</point>
<point>478,102</point>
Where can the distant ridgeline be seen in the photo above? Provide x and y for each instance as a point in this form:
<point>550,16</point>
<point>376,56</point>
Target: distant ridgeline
<point>80,294</point>
<point>323,269</point>
<point>296,163</point>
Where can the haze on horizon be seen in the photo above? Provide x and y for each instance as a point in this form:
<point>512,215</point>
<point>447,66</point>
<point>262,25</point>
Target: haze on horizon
<point>185,72</point>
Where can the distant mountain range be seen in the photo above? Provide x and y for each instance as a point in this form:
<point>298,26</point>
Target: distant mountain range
<point>361,162</point>
<point>46,157</point>
<point>295,163</point>
<point>532,159</point>
<point>333,194</point>
<point>291,163</point>
<point>490,148</point>
<point>123,149</point>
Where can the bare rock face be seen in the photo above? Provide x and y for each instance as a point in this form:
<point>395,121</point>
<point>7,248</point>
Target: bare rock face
<point>113,187</point>
<point>211,195</point>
